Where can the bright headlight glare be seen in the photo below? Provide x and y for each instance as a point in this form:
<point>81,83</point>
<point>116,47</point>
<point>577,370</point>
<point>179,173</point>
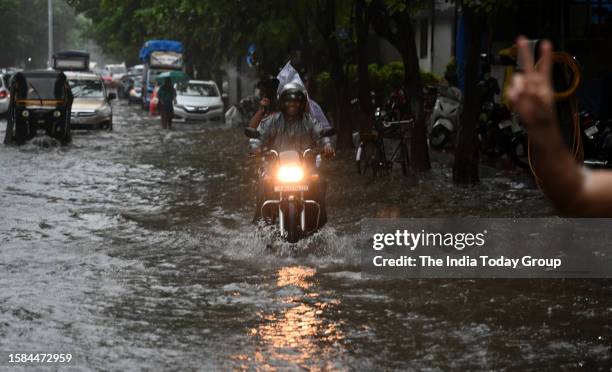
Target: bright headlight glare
<point>25,114</point>
<point>56,114</point>
<point>290,174</point>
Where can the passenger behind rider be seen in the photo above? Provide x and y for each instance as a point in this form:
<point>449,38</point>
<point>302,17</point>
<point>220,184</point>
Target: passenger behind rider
<point>268,105</point>
<point>266,89</point>
<point>293,128</point>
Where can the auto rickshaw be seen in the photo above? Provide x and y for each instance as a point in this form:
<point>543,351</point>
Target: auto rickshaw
<point>40,104</point>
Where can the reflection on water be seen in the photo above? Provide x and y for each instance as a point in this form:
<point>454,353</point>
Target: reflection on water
<point>297,334</point>
<point>298,276</point>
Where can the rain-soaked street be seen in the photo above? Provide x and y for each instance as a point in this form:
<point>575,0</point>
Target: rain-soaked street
<point>134,250</point>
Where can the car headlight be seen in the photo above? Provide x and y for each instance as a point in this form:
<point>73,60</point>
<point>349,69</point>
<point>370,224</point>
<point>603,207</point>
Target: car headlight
<point>57,114</point>
<point>25,113</point>
<point>290,174</point>
<point>104,110</point>
<point>190,108</point>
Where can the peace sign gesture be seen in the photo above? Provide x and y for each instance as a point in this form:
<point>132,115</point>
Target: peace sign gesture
<point>531,92</point>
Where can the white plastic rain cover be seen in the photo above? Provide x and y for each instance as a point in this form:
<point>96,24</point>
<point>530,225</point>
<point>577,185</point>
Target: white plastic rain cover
<point>290,75</point>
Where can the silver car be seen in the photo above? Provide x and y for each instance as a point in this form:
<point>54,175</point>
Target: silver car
<point>4,94</point>
<point>91,107</point>
<point>198,100</point>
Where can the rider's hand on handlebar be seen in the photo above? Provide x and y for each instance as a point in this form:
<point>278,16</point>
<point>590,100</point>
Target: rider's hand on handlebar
<point>328,151</point>
<point>531,93</point>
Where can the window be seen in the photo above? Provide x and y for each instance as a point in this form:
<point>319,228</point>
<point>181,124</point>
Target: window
<point>423,46</point>
<point>197,90</point>
<point>86,88</point>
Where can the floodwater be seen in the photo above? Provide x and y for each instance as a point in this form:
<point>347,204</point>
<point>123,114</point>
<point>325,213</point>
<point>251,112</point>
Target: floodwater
<point>134,250</point>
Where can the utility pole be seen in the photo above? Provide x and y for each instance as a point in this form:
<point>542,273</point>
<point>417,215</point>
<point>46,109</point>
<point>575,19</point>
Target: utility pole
<point>50,23</point>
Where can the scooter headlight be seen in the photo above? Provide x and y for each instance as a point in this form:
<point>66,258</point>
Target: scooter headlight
<point>25,113</point>
<point>56,114</point>
<point>290,174</point>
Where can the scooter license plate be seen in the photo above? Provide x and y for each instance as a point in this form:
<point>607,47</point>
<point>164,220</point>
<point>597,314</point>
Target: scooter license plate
<point>290,188</point>
<point>591,131</point>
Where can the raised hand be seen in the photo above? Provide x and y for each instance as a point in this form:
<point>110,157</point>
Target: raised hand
<point>531,93</point>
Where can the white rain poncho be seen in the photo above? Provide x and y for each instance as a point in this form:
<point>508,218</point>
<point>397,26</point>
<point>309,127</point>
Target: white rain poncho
<point>290,75</point>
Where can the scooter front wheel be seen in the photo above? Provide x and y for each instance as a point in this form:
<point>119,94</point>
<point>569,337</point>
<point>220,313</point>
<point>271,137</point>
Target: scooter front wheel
<point>439,137</point>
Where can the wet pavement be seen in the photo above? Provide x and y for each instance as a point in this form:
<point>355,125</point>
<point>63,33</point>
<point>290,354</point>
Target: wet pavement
<point>134,250</point>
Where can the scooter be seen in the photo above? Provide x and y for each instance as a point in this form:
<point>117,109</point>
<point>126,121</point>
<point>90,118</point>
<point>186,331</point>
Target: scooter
<point>288,180</point>
<point>445,116</point>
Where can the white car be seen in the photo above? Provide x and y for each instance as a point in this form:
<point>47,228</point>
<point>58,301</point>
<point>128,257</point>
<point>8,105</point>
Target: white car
<point>4,94</point>
<point>198,100</point>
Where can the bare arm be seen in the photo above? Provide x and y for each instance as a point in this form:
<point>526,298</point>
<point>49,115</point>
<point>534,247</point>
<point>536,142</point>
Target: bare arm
<point>256,119</point>
<point>260,113</point>
<point>573,189</point>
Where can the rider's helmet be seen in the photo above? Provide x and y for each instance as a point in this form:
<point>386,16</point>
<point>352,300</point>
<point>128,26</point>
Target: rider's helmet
<point>292,92</point>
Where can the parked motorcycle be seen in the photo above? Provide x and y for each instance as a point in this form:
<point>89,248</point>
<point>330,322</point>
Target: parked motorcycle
<point>597,141</point>
<point>445,116</point>
<point>499,132</point>
<point>392,121</point>
<point>289,180</point>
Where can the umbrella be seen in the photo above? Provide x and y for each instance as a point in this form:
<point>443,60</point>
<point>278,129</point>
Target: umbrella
<point>175,76</point>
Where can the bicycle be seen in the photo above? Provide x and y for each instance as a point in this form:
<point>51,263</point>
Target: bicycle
<point>372,155</point>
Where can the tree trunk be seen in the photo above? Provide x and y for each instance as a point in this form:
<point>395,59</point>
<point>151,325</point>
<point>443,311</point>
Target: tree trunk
<point>342,121</point>
<point>465,169</point>
<point>401,36</point>
<point>326,25</point>
<point>362,27</point>
<point>419,152</point>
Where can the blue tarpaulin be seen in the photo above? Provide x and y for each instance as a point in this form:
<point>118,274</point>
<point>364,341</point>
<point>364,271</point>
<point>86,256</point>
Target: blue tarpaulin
<point>159,45</point>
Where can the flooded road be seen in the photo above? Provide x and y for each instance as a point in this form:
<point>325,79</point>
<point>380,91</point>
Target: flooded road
<point>134,250</point>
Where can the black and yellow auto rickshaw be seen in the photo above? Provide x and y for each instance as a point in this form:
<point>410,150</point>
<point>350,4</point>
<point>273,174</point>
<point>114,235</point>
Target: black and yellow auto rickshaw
<point>40,104</point>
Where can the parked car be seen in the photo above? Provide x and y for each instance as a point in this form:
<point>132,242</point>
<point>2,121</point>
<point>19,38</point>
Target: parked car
<point>198,100</point>
<point>4,94</point>
<point>91,107</point>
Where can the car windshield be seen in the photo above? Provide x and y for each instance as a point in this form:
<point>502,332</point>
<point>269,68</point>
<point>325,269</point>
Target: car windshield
<point>86,88</point>
<point>43,88</point>
<point>197,90</point>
